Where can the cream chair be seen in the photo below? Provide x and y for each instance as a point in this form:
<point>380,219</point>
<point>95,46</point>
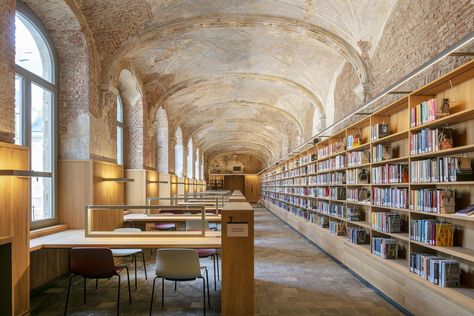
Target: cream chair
<point>122,253</point>
<point>179,265</point>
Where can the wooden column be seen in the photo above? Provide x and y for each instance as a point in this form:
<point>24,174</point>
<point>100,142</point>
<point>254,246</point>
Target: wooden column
<point>237,261</point>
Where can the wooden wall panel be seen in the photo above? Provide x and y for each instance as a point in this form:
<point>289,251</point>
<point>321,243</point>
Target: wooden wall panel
<point>135,192</point>
<point>252,188</point>
<point>107,193</point>
<point>152,189</point>
<point>74,191</point>
<point>233,183</point>
<point>15,221</point>
<point>48,264</point>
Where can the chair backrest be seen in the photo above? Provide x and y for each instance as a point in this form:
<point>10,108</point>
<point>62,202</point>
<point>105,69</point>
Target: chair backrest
<point>127,230</point>
<point>195,225</point>
<point>92,262</point>
<point>177,264</point>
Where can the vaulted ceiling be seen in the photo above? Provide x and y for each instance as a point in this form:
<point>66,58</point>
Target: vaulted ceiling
<point>239,76</point>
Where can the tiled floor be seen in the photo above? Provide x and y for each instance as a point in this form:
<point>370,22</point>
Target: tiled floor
<point>293,277</point>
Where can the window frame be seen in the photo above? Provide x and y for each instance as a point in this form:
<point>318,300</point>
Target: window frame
<point>28,79</point>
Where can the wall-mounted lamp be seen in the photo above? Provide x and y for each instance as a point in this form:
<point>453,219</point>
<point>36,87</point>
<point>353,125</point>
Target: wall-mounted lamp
<point>156,181</point>
<point>24,173</point>
<point>119,179</point>
<point>178,183</point>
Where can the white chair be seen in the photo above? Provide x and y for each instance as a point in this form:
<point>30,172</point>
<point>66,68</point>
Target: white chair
<point>195,225</point>
<point>179,265</point>
<point>121,253</point>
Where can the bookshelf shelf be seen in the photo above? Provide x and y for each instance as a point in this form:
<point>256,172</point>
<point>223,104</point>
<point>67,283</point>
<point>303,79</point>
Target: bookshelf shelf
<point>461,116</point>
<point>300,174</point>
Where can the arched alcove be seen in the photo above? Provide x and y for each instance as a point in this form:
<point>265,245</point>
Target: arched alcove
<point>189,160</point>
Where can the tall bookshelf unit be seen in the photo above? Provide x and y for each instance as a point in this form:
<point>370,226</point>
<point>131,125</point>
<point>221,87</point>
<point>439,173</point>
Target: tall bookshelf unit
<point>323,192</point>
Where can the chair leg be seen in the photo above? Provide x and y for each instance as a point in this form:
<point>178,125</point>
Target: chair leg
<point>96,283</point>
<point>128,281</point>
<point>118,296</point>
<point>208,295</point>
<point>67,296</point>
<point>152,294</point>
<point>217,259</point>
<point>85,294</point>
<point>162,293</point>
<point>204,293</point>
<point>175,285</point>
<point>144,264</point>
<point>215,272</point>
<point>135,261</point>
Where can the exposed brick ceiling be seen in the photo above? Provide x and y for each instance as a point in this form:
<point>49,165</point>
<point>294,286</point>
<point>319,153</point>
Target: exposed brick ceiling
<point>240,76</point>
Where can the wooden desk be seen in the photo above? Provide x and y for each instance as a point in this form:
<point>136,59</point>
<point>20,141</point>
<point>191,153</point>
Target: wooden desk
<point>76,238</point>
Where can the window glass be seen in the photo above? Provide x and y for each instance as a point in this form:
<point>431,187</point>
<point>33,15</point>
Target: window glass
<point>119,131</point>
<point>31,49</point>
<point>41,199</point>
<point>41,103</point>
<point>19,90</point>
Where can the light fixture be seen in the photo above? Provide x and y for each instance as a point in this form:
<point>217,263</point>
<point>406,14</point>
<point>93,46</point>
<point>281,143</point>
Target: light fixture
<point>118,179</point>
<point>24,173</point>
<point>156,181</point>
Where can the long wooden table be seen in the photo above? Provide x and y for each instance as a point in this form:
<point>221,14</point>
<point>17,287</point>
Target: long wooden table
<point>76,238</point>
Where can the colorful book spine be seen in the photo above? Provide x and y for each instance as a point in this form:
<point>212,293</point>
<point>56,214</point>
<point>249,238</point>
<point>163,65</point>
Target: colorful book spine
<point>439,201</point>
<point>390,197</point>
<point>432,232</point>
<point>389,173</point>
<point>389,222</point>
<point>386,248</point>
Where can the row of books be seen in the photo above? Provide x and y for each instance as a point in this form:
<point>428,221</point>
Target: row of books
<point>386,248</point>
<point>390,173</point>
<point>390,197</point>
<point>441,169</point>
<point>428,111</point>
<point>357,176</point>
<point>353,141</point>
<point>439,201</point>
<point>356,158</point>
<point>381,152</point>
<point>337,228</point>
<point>337,162</point>
<point>431,140</point>
<point>356,235</point>
<point>389,222</point>
<point>432,232</point>
<point>438,270</point>
<point>378,131</point>
<point>358,195</point>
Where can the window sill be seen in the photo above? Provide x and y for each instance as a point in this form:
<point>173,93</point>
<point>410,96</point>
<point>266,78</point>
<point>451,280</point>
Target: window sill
<point>36,233</point>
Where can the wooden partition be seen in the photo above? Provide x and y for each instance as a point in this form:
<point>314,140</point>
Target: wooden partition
<point>252,188</point>
<point>15,223</point>
<point>238,286</point>
<point>180,185</point>
<point>89,182</point>
<point>146,184</point>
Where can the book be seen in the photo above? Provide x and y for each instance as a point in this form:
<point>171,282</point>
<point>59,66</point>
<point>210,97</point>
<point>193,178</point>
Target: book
<point>467,211</point>
<point>379,131</point>
<point>444,234</point>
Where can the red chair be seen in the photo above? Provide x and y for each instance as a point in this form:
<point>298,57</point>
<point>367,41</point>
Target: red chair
<point>165,226</point>
<point>95,263</point>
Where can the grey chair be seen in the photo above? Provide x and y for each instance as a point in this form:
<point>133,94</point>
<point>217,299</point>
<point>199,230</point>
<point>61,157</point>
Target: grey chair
<point>195,225</point>
<point>179,265</point>
<point>122,253</point>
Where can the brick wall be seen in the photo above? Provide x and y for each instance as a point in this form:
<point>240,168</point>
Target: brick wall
<point>7,70</point>
<point>416,31</point>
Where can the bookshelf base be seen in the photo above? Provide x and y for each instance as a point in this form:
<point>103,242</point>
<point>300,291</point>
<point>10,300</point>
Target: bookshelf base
<point>392,277</point>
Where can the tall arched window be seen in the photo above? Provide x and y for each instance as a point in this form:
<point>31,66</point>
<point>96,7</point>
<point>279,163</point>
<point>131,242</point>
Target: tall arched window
<point>35,100</point>
<point>178,153</point>
<point>197,174</point>
<point>162,142</point>
<point>119,130</point>
<point>189,162</point>
<point>202,167</point>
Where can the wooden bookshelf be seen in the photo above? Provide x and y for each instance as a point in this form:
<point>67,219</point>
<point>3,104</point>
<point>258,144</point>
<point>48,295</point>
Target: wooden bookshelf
<point>302,191</point>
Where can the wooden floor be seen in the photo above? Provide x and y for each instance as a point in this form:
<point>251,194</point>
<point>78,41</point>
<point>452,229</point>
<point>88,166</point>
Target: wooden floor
<point>293,277</point>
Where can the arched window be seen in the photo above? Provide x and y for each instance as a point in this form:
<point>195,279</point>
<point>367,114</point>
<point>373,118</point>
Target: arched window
<point>119,130</point>
<point>35,104</point>
<point>202,167</point>
<point>178,153</point>
<point>162,142</point>
<point>189,162</point>
<point>197,173</point>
